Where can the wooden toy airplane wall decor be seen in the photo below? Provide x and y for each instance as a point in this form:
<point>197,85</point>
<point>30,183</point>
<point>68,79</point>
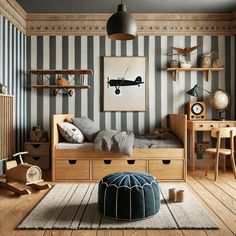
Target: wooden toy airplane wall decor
<point>63,80</point>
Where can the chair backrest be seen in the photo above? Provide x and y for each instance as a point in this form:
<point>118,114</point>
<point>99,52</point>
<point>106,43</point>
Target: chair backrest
<point>225,132</point>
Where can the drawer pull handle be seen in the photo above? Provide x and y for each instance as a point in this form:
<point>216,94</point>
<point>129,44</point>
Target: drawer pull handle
<point>166,162</point>
<point>227,125</point>
<point>36,145</point>
<point>36,158</point>
<point>200,125</point>
<point>107,162</point>
<point>72,162</point>
<point>211,125</point>
<point>131,162</point>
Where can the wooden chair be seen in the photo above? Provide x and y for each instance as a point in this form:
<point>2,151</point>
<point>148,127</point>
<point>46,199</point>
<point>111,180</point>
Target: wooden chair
<point>220,133</point>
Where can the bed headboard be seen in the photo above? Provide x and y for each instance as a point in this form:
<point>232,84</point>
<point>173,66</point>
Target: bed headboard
<point>178,125</point>
<point>57,119</point>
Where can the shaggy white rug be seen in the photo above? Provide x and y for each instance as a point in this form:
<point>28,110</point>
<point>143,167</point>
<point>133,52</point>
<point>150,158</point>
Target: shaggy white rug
<point>74,206</point>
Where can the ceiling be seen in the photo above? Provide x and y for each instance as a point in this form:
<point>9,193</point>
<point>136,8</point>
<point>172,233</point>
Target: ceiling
<point>135,6</point>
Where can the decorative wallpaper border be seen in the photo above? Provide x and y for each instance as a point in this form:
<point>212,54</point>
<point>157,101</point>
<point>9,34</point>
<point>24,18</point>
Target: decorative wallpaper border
<point>148,24</point>
<point>95,24</point>
<point>14,13</point>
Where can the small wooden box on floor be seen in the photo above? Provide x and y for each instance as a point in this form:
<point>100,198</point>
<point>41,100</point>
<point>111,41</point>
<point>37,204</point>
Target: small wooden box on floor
<point>39,154</point>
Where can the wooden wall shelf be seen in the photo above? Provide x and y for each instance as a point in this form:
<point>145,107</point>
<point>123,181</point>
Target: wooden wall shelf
<point>62,80</point>
<point>206,70</point>
<point>59,87</point>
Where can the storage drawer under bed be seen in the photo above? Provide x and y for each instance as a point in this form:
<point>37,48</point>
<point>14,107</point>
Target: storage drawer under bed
<point>167,169</point>
<point>72,170</point>
<point>101,168</point>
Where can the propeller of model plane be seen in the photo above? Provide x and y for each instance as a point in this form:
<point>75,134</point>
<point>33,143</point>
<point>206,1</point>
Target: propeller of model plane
<point>117,91</point>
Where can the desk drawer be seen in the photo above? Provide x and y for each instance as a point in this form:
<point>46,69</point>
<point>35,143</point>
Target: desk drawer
<point>167,169</point>
<point>101,168</point>
<point>206,126</point>
<point>227,124</point>
<point>72,170</point>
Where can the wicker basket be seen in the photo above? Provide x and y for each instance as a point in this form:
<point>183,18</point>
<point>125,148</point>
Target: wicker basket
<point>206,61</point>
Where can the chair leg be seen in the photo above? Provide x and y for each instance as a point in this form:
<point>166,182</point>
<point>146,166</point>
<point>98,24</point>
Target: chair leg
<point>233,164</point>
<point>224,163</point>
<point>216,167</point>
<point>208,163</point>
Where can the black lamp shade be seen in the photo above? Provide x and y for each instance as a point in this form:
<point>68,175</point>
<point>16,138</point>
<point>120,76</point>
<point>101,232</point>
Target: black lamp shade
<point>121,25</point>
<point>193,91</point>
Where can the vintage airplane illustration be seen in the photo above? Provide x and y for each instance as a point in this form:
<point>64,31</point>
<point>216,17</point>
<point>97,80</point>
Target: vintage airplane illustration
<point>117,83</point>
<point>121,81</point>
<point>63,80</point>
<point>184,51</point>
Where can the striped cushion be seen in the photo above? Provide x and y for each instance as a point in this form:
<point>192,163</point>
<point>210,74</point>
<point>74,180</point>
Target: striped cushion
<point>128,196</point>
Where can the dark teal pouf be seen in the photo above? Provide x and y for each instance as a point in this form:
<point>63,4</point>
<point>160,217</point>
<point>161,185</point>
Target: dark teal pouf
<point>128,196</point>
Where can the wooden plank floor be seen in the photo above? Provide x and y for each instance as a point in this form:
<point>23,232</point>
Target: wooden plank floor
<point>218,198</point>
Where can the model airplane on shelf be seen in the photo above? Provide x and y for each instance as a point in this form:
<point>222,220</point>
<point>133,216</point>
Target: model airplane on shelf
<point>184,51</point>
<point>63,80</point>
<point>117,83</point>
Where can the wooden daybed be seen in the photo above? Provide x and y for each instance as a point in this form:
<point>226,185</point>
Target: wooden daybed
<point>167,164</point>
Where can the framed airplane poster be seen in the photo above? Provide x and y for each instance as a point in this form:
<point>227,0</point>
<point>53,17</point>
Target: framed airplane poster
<point>125,84</point>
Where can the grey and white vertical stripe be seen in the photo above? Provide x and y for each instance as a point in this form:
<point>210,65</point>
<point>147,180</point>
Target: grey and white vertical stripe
<point>56,52</point>
<point>13,74</point>
<point>165,95</point>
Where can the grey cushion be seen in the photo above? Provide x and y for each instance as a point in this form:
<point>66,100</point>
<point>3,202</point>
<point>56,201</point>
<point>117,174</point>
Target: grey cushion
<point>87,127</point>
<point>70,132</point>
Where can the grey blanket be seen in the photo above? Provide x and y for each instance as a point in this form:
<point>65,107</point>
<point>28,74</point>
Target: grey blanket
<point>114,141</point>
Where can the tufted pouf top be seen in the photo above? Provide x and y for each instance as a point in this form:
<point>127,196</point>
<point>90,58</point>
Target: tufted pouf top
<point>128,195</point>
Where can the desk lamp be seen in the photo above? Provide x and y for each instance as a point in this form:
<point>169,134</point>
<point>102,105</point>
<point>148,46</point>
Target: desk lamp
<point>219,99</point>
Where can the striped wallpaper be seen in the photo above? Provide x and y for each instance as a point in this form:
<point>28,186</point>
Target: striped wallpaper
<point>19,54</point>
<point>165,95</point>
<point>13,75</point>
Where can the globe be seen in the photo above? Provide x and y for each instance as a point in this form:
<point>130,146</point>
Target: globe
<point>219,100</point>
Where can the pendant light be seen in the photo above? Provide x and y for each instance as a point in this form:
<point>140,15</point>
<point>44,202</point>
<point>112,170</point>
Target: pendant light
<point>121,25</point>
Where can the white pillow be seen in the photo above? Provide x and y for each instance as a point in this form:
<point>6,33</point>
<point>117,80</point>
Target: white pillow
<point>70,132</point>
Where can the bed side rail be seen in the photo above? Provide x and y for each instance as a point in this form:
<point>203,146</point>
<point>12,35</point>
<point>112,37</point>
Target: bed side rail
<point>178,125</point>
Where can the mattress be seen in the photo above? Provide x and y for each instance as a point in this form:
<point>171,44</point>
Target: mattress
<point>65,145</point>
<point>163,138</point>
<point>157,143</point>
<point>138,143</point>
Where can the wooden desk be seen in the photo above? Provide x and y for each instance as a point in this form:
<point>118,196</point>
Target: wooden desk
<point>203,125</point>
